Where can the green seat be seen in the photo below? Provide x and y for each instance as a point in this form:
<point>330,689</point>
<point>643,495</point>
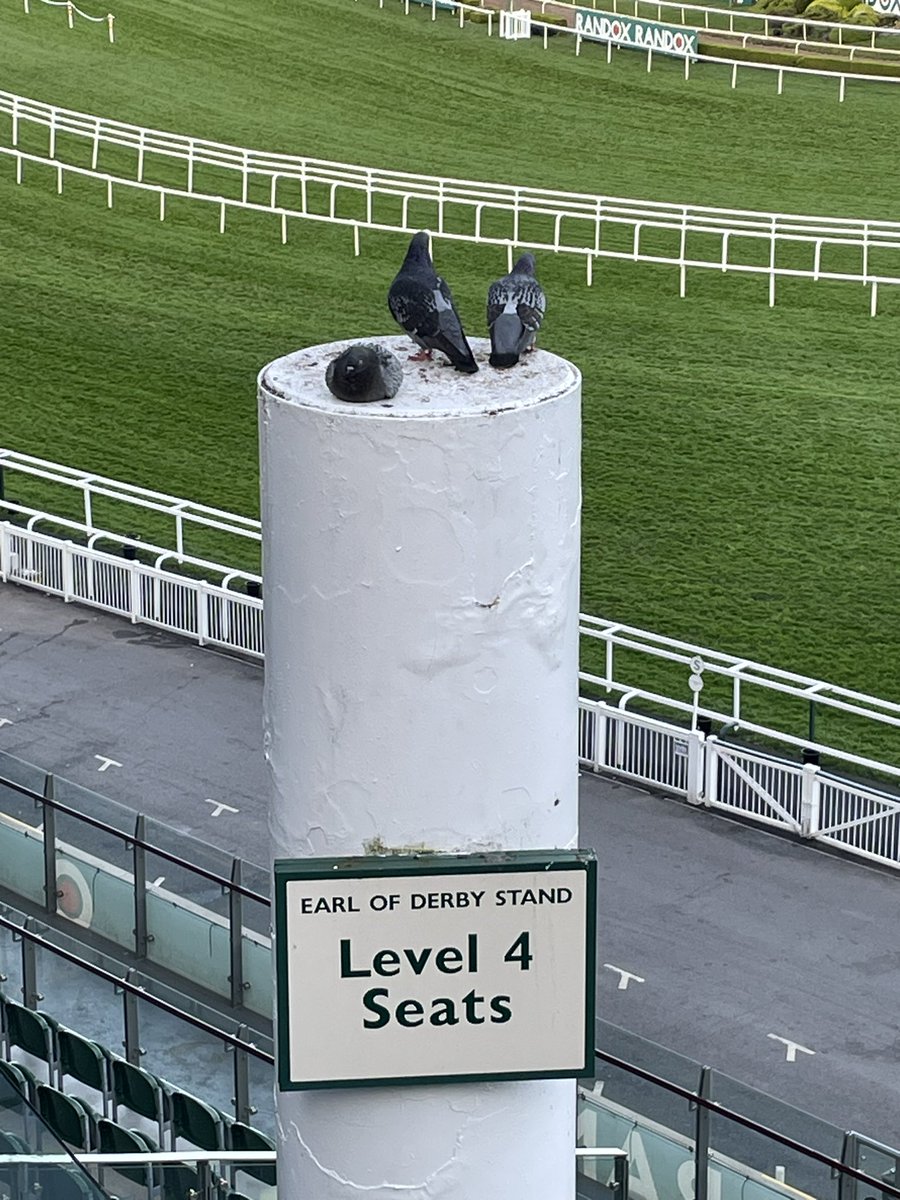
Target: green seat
<point>116,1139</point>
<point>180,1183</point>
<point>85,1061</point>
<point>69,1118</point>
<point>142,1093</point>
<point>245,1137</point>
<point>21,1082</point>
<point>15,1178</point>
<point>33,1032</point>
<point>64,1183</point>
<point>197,1122</point>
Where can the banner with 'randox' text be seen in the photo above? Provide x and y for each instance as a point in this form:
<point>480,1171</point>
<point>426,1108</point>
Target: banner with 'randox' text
<point>638,35</point>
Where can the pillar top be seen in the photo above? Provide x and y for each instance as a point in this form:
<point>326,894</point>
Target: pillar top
<point>429,389</point>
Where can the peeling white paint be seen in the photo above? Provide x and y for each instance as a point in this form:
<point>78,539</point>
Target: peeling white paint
<point>421,602</point>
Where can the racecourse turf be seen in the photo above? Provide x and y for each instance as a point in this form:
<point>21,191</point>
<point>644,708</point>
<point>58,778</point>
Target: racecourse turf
<point>741,465</point>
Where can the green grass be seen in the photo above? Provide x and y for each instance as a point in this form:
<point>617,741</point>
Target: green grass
<point>741,465</point>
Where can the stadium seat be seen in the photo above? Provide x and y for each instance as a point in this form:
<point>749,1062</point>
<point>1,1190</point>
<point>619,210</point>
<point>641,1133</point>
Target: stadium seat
<point>33,1032</point>
<point>71,1119</point>
<point>21,1080</point>
<point>116,1139</point>
<point>15,1178</point>
<point>142,1093</point>
<point>64,1183</point>
<point>85,1061</point>
<point>197,1122</point>
<point>244,1137</point>
<point>180,1183</point>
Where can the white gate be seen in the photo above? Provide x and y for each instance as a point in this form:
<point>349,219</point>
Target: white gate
<point>515,24</point>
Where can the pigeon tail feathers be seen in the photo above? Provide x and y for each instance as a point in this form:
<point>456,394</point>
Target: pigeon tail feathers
<point>506,339</point>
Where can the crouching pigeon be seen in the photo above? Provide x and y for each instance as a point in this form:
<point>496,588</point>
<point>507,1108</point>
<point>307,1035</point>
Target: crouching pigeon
<point>421,304</point>
<point>364,372</point>
<point>515,309</point>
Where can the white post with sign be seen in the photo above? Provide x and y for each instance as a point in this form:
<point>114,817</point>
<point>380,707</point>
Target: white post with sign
<point>421,603</point>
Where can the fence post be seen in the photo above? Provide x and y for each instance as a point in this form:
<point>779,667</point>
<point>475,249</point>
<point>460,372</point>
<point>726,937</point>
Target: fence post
<point>810,796</point>
<point>139,870</point>
<point>235,936</point>
<point>132,1023</point>
<point>601,724</point>
<point>68,579</point>
<point>243,1109</point>
<point>134,584</point>
<point>695,768</point>
<point>48,825</point>
<point>4,551</point>
<point>31,997</point>
<point>711,755</point>
<point>701,1139</point>
<point>202,613</point>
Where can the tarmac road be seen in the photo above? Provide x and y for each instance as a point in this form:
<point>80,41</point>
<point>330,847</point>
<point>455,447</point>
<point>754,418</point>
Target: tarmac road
<point>767,960</point>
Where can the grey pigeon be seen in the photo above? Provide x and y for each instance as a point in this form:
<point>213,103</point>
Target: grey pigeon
<point>515,309</point>
<point>363,373</point>
<point>421,304</point>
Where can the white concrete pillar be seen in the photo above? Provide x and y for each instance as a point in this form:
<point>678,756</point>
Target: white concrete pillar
<point>421,565</point>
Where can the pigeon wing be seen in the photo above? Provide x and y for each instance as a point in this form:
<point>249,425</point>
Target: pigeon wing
<point>413,307</point>
<point>531,303</point>
<point>497,299</point>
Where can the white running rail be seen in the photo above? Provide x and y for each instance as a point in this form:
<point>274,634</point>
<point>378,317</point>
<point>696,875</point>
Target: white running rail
<point>728,20</point>
<point>72,10</point>
<point>595,227</point>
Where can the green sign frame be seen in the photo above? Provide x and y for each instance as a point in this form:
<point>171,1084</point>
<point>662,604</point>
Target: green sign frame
<point>404,866</point>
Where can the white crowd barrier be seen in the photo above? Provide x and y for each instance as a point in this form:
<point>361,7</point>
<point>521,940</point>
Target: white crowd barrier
<point>509,216</point>
<point>72,11</point>
<point>674,755</point>
<point>808,801</point>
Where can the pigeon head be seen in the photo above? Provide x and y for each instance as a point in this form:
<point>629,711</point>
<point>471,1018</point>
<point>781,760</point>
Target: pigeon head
<point>525,265</point>
<point>418,251</point>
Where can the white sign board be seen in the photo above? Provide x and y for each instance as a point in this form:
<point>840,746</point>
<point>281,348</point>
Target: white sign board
<point>415,969</point>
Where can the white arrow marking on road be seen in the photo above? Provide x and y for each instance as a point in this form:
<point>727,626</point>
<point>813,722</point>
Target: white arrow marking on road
<point>790,1047</point>
<point>625,977</point>
<point>5,721</point>
<point>106,763</point>
<point>219,808</point>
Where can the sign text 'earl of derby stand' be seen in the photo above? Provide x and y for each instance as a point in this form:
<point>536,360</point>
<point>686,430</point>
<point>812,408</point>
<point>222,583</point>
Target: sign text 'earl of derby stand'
<point>438,968</point>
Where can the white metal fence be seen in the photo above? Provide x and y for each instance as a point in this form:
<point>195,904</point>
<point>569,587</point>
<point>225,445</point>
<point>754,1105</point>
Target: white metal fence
<point>687,237</point>
<point>195,608</point>
<point>673,752</point>
<point>806,800</point>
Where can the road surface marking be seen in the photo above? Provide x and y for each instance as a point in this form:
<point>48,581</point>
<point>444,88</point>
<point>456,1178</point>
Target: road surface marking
<point>791,1048</point>
<point>219,808</point>
<point>106,763</point>
<point>157,882</point>
<point>625,977</point>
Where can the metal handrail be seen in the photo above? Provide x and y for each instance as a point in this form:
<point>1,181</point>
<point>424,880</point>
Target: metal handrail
<point>712,1106</point>
<point>134,989</point>
<point>132,840</point>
